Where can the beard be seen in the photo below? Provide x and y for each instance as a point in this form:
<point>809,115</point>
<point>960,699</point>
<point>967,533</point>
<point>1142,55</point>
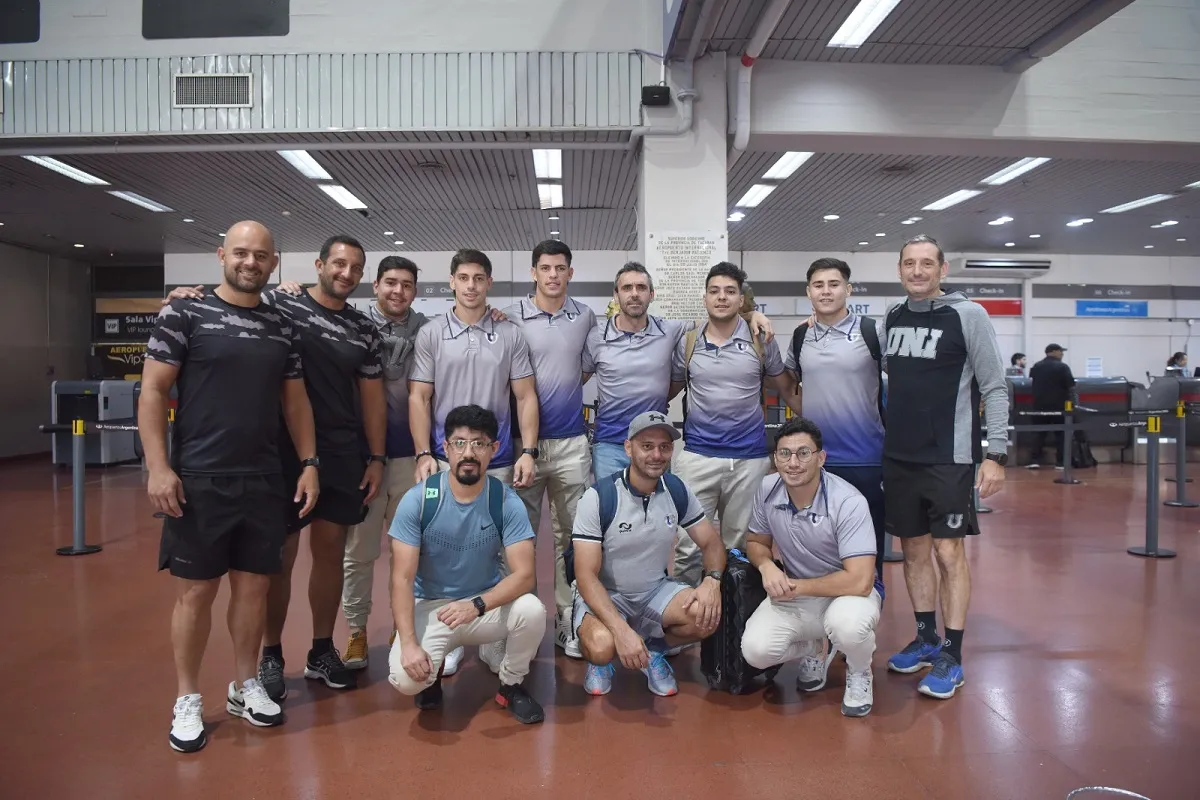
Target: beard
<point>329,287</point>
<point>249,282</point>
<point>470,478</point>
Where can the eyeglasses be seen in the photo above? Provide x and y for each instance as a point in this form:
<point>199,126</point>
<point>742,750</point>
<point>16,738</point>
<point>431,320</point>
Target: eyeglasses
<point>803,455</point>
<point>462,445</point>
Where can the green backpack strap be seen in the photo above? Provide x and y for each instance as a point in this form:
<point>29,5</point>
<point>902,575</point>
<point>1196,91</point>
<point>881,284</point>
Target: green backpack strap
<point>495,500</point>
<point>432,499</point>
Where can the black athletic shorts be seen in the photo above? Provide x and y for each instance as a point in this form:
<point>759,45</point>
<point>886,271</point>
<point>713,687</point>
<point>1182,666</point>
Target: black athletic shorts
<point>869,482</point>
<point>340,501</point>
<point>229,522</point>
<point>929,498</point>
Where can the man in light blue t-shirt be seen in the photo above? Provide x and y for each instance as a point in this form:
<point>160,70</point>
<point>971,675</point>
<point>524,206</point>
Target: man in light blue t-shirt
<point>447,538</point>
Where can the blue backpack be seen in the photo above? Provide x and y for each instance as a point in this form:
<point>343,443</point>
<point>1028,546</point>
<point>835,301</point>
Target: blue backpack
<point>606,493</point>
<point>433,501</point>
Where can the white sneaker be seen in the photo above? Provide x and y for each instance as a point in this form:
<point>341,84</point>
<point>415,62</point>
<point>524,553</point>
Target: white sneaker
<point>453,661</point>
<point>563,636</point>
<point>493,654</point>
<point>860,693</point>
<point>813,668</point>
<point>252,704</point>
<point>187,726</point>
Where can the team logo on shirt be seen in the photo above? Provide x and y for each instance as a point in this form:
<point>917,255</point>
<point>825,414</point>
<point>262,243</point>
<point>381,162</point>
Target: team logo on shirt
<point>670,521</point>
<point>491,337</point>
<point>914,342</point>
<point>741,346</point>
<point>624,527</point>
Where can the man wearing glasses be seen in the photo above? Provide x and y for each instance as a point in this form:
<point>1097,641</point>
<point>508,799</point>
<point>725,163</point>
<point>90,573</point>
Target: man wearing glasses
<point>449,535</point>
<point>825,584</point>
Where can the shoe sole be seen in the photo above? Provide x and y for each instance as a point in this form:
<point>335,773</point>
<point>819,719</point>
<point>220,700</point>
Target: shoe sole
<point>357,664</point>
<point>314,675</point>
<point>189,747</point>
<point>503,703</point>
<point>668,693</point>
<point>810,689</point>
<point>241,711</point>
<point>858,711</point>
<point>922,665</point>
<point>925,690</point>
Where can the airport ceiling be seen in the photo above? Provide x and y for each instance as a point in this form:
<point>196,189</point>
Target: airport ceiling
<point>439,199</point>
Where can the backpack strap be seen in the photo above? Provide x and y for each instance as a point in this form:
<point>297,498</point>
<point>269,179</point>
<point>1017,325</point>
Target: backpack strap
<point>433,499</point>
<point>606,493</point>
<point>678,492</point>
<point>495,499</point>
<point>870,335</point>
<point>798,336</point>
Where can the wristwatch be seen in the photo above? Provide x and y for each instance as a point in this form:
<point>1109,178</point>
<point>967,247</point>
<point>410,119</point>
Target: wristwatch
<point>377,457</point>
<point>714,574</point>
<point>423,453</point>
<point>314,462</point>
<point>480,606</point>
<point>531,451</point>
<point>999,458</point>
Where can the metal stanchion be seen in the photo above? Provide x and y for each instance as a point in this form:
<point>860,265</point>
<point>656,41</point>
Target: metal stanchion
<point>1181,478</point>
<point>79,545</point>
<point>1153,432</point>
<point>1068,446</point>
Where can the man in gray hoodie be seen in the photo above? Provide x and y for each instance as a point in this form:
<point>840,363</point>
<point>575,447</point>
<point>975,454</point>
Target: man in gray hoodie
<point>942,359</point>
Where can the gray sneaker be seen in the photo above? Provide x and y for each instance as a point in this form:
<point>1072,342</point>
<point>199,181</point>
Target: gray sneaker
<point>860,693</point>
<point>659,675</point>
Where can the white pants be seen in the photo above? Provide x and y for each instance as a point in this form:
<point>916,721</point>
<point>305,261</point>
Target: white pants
<point>564,471</point>
<point>778,632</point>
<point>520,625</point>
<point>363,542</point>
<point>725,488</point>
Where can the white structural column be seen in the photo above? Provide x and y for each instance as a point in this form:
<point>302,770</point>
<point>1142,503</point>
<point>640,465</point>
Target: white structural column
<point>682,194</point>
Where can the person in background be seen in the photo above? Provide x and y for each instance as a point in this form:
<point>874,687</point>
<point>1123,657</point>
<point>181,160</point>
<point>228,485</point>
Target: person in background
<point>1016,365</point>
<point>1178,361</point>
<point>1052,386</point>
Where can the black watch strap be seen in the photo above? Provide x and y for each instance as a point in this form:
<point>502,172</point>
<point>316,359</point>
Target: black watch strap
<point>531,451</point>
<point>377,457</point>
<point>311,462</point>
<point>714,574</point>
<point>999,458</point>
<point>424,453</point>
<point>480,606</point>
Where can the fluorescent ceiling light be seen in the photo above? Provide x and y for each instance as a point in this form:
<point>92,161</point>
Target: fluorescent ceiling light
<point>1132,204</point>
<point>1149,247</point>
<point>342,196</point>
<point>66,169</point>
<point>1166,223</point>
<point>881,234</point>
<point>831,217</point>
<point>1010,244</point>
<point>550,195</point>
<point>398,241</point>
<point>736,216</point>
<point>787,164</point>
<point>547,164</point>
<point>553,218</point>
<point>862,22</point>
<point>1013,171</point>
<point>79,245</point>
<point>1000,220</point>
<point>1181,240</point>
<point>188,219</point>
<point>1035,236</point>
<point>306,164</point>
<point>755,195</point>
<point>389,233</point>
<point>910,221</point>
<point>863,244</point>
<point>554,233</point>
<point>1195,185</point>
<point>138,200</point>
<point>952,199</point>
<point>1076,223</point>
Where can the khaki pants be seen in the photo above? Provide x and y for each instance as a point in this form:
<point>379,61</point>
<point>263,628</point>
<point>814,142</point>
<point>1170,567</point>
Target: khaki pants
<point>521,625</point>
<point>725,488</point>
<point>564,471</point>
<point>363,542</point>
<point>778,632</point>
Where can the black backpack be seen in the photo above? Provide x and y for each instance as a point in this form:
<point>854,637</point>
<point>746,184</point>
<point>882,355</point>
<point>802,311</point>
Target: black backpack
<point>721,660</point>
<point>870,336</point>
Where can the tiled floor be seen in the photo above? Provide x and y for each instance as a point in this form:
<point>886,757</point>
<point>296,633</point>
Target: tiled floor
<point>1081,664</point>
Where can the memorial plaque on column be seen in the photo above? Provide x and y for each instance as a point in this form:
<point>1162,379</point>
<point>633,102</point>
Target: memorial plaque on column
<point>679,263</point>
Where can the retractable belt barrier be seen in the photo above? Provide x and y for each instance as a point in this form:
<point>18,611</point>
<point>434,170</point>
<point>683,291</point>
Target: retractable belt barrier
<point>79,429</point>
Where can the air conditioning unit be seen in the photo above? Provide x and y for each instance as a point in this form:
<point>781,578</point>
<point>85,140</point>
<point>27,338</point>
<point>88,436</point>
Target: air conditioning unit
<point>998,268</point>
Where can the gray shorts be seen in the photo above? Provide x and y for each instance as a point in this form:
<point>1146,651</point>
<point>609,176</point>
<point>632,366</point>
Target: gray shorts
<point>643,611</point>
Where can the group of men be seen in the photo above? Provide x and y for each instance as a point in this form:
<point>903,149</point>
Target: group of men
<point>449,433</point>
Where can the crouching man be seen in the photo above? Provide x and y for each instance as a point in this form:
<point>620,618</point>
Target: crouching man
<point>623,540</point>
<point>822,527</point>
<point>447,537</point>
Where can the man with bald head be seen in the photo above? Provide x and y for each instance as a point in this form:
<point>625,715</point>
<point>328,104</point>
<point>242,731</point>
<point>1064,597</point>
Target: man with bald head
<point>236,364</point>
<point>343,375</point>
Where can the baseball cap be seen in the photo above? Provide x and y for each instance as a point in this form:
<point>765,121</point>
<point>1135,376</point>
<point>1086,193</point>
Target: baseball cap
<point>1050,348</point>
<point>653,419</point>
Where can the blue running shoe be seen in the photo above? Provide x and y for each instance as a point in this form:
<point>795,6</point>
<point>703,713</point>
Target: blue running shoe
<point>598,680</point>
<point>944,679</point>
<point>915,657</point>
<point>659,675</point>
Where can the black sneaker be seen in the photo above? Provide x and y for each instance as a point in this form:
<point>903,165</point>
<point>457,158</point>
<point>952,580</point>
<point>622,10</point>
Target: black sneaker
<point>520,704</point>
<point>431,698</point>
<point>328,667</point>
<point>270,675</point>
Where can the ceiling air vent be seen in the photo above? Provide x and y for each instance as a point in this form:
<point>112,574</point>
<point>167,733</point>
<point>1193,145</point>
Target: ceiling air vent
<point>213,91</point>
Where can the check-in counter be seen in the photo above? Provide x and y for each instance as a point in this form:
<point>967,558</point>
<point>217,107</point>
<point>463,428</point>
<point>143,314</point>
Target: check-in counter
<point>1189,392</point>
<point>1112,398</point>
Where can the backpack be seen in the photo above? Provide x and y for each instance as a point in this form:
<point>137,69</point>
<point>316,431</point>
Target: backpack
<point>870,337</point>
<point>433,501</point>
<point>721,660</point>
<point>689,347</point>
<point>606,493</point>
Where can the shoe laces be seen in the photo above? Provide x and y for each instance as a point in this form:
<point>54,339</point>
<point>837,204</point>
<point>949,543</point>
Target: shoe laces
<point>858,682</point>
<point>331,659</point>
<point>660,669</point>
<point>915,646</point>
<point>254,694</point>
<point>812,665</point>
<point>270,669</point>
<point>942,665</point>
<point>189,709</point>
<point>357,648</point>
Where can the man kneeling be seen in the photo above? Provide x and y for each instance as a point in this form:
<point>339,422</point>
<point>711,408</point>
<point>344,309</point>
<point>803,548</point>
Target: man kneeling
<point>822,527</point>
<point>623,540</point>
<point>447,592</point>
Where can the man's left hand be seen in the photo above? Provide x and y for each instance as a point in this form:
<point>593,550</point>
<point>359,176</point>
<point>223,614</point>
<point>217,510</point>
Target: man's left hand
<point>372,481</point>
<point>705,605</point>
<point>761,326</point>
<point>524,471</point>
<point>458,613</point>
<point>990,479</point>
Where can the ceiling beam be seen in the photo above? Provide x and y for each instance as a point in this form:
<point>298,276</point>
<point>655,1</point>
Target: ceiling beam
<point>1064,33</point>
